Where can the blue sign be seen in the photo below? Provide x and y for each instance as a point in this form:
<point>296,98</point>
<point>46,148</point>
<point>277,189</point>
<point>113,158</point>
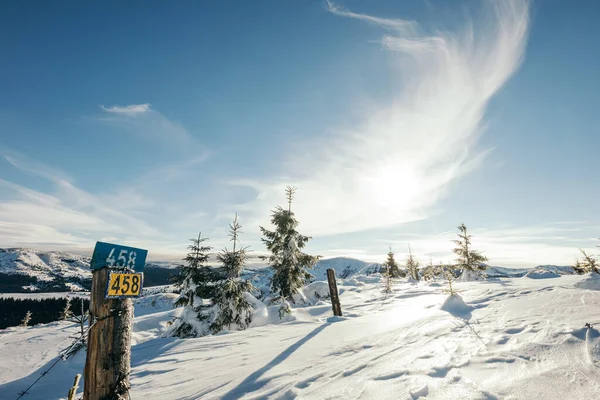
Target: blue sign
<point>117,256</point>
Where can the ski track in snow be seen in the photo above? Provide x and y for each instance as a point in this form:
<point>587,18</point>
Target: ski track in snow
<point>517,338</point>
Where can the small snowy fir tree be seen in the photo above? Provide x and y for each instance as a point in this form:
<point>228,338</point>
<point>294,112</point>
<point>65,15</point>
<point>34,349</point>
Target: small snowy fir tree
<point>391,270</point>
<point>468,260</point>
<point>26,319</point>
<point>446,272</point>
<point>66,313</point>
<point>391,265</point>
<point>230,303</point>
<point>194,282</point>
<point>412,267</point>
<point>289,263</point>
<point>587,264</point>
<point>430,271</point>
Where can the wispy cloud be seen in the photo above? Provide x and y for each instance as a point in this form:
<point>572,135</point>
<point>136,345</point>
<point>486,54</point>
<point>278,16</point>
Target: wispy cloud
<point>67,212</point>
<point>152,126</point>
<point>129,110</point>
<point>401,25</point>
<point>399,162</point>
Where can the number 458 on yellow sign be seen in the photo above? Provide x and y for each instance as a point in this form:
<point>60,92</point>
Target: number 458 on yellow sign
<point>123,284</point>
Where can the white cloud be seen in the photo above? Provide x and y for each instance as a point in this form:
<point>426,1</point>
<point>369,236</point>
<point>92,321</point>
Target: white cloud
<point>404,26</point>
<point>399,162</point>
<point>130,110</point>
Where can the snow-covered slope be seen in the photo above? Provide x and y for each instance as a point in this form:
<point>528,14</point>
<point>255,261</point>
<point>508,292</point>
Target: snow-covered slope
<point>344,267</point>
<point>32,270</point>
<point>45,265</point>
<point>42,270</point>
<point>508,338</point>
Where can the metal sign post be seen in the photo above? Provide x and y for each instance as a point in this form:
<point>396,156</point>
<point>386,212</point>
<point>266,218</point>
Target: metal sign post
<point>117,276</point>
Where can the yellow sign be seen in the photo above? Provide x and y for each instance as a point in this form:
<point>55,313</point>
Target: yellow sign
<point>123,284</point>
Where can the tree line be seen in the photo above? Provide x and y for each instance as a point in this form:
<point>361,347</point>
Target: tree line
<point>15,311</point>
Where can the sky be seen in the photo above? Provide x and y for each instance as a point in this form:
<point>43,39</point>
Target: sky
<point>144,123</point>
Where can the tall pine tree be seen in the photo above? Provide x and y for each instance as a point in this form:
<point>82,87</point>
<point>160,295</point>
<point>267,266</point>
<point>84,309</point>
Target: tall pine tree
<point>289,263</point>
<point>195,283</point>
<point>468,260</point>
<point>231,305</point>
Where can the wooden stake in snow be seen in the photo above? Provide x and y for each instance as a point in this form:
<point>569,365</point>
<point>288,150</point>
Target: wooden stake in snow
<point>116,278</point>
<point>333,292</point>
<point>107,366</point>
<point>73,390</point>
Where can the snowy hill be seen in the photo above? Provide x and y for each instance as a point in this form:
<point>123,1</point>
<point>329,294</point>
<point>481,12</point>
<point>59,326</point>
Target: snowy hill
<point>344,267</point>
<point>29,270</point>
<point>511,338</point>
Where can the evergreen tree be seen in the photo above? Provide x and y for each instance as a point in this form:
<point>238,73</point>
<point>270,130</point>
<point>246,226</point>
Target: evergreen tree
<point>392,266</point>
<point>430,271</point>
<point>391,270</point>
<point>195,277</point>
<point>288,261</point>
<point>66,313</point>
<point>230,303</point>
<point>26,319</point>
<point>195,282</point>
<point>448,274</point>
<point>587,264</point>
<point>412,266</point>
<point>468,260</point>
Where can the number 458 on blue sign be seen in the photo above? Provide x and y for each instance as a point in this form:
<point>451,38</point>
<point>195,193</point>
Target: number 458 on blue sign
<point>117,256</point>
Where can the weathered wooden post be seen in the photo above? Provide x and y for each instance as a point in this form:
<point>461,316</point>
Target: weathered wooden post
<point>114,282</point>
<point>333,293</point>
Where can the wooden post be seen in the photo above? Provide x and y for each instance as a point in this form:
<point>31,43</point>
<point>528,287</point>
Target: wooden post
<point>73,390</point>
<point>333,292</point>
<point>108,362</point>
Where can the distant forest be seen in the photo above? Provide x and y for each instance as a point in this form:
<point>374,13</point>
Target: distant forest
<point>15,283</point>
<point>43,311</point>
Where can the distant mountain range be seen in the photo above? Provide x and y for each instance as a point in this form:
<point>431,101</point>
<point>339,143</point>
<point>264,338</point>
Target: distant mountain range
<point>30,270</point>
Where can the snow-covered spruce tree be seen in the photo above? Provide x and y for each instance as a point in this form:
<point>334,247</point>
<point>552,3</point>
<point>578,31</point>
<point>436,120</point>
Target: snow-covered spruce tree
<point>412,267</point>
<point>25,321</point>
<point>230,302</point>
<point>587,264</point>
<point>390,271</point>
<point>392,266</point>
<point>469,261</point>
<point>194,282</point>
<point>289,263</point>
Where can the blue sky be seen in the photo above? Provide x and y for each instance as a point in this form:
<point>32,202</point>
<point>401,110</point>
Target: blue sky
<point>143,123</point>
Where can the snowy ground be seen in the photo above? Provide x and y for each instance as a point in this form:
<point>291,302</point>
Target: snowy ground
<point>516,338</point>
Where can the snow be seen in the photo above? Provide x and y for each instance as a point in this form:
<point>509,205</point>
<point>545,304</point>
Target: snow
<point>542,273</point>
<point>456,306</point>
<point>45,266</point>
<point>591,281</point>
<point>501,338</point>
